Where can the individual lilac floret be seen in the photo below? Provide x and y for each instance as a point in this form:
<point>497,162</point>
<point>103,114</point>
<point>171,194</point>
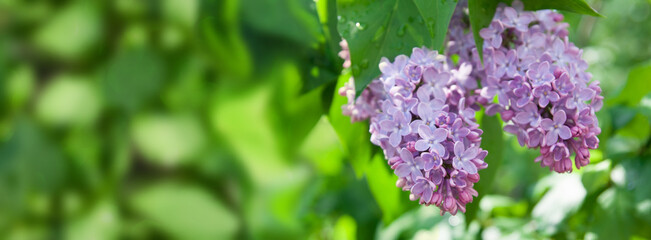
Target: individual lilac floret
<point>555,128</point>
<point>422,113</point>
<point>543,92</point>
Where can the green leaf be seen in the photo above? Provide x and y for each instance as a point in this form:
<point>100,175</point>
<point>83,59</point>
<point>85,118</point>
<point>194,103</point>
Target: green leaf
<point>596,176</point>
<point>576,6</point>
<point>31,162</point>
<point>100,222</point>
<point>168,140</point>
<point>219,28</point>
<point>327,11</point>
<point>644,107</point>
<point>296,20</point>
<point>69,100</point>
<point>376,29</point>
<point>132,78</point>
<point>612,216</point>
<point>413,221</point>
<point>354,137</point>
<point>383,187</point>
<point>637,86</point>
<point>72,32</point>
<point>437,15</point>
<point>325,63</point>
<point>493,142</point>
<point>181,12</point>
<point>185,211</point>
<point>563,198</point>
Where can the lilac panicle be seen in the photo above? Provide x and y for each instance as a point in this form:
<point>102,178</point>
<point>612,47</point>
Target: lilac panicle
<point>421,111</point>
<point>543,91</point>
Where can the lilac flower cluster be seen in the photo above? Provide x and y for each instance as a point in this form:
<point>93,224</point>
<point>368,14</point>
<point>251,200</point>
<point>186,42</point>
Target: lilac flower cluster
<point>423,118</point>
<point>422,107</point>
<point>539,82</point>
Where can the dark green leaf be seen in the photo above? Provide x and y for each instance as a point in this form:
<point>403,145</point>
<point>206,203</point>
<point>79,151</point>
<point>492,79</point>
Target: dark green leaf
<point>326,65</point>
<point>437,15</point>
<point>30,162</point>
<point>612,216</point>
<point>376,29</point>
<point>596,176</point>
<point>576,6</point>
<point>292,19</point>
<point>185,211</point>
<point>132,78</point>
<point>222,38</point>
<point>493,142</point>
<point>637,86</point>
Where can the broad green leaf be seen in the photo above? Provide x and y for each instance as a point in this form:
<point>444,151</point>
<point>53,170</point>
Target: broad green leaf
<point>296,20</point>
<point>327,11</point>
<point>564,197</point>
<point>168,140</point>
<point>637,86</point>
<point>637,175</point>
<point>355,138</point>
<point>612,215</point>
<point>644,106</point>
<point>72,32</point>
<point>376,29</point>
<point>502,206</point>
<point>100,222</point>
<point>596,176</point>
<point>326,64</point>
<point>132,78</point>
<point>184,211</point>
<point>31,162</point>
<point>408,224</point>
<point>493,142</point>
<point>382,183</point>
<point>638,128</point>
<point>576,6</point>
<point>221,36</point>
<point>69,100</point>
<point>181,12</point>
<point>437,15</point>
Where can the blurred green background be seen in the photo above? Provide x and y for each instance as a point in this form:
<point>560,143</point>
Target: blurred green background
<point>219,119</point>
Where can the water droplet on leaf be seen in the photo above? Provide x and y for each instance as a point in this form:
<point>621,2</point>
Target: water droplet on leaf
<point>360,26</point>
<point>401,30</point>
<point>355,69</point>
<point>364,63</point>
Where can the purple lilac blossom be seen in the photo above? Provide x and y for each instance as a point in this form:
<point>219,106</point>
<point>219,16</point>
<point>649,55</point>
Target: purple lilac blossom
<point>422,114</point>
<point>544,94</point>
<point>421,109</point>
